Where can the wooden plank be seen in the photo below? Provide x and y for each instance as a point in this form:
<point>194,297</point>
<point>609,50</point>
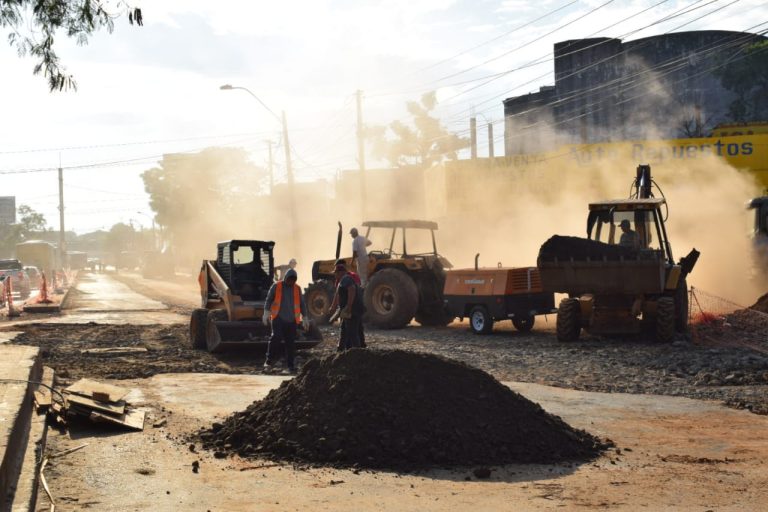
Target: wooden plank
<point>86,387</point>
<point>43,395</point>
<point>115,408</point>
<point>132,419</point>
<point>114,351</point>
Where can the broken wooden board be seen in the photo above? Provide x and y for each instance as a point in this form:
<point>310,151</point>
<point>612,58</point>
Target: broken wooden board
<point>81,402</point>
<point>43,395</point>
<point>86,388</point>
<point>113,351</point>
<point>133,419</point>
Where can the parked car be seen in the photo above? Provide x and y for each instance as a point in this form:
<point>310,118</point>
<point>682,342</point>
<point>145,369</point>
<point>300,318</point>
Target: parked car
<point>14,270</point>
<point>35,278</point>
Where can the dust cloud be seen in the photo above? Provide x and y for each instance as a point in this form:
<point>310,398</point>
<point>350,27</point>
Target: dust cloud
<point>502,209</point>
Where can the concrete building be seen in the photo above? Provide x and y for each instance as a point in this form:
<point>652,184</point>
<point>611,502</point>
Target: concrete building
<point>605,89</point>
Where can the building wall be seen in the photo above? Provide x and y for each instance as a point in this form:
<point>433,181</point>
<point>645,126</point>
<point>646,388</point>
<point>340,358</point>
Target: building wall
<point>657,87</point>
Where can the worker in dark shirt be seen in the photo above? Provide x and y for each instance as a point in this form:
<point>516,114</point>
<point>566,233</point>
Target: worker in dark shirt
<point>351,309</point>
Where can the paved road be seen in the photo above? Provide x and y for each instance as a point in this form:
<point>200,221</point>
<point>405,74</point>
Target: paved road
<point>676,453</point>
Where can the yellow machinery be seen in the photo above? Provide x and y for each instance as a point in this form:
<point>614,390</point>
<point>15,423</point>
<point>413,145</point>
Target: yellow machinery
<point>233,289</point>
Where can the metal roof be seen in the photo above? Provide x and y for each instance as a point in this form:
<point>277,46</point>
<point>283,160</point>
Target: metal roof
<point>629,204</point>
<point>410,224</point>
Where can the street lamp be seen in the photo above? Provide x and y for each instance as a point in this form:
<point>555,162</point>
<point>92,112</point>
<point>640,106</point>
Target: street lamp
<point>288,168</point>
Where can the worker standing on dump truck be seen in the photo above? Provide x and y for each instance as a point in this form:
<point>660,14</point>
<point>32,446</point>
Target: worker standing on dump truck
<point>351,309</point>
<point>286,310</point>
<point>360,254</point>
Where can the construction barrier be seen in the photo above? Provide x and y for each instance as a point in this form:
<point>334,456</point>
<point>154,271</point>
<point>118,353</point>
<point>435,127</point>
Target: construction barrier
<point>716,321</point>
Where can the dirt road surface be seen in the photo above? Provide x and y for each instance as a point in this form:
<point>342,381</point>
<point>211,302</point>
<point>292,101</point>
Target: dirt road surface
<point>673,452</point>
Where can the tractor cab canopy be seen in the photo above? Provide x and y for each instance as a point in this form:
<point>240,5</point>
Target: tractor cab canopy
<point>247,266</point>
<point>760,205</point>
<point>389,234</point>
<point>633,223</point>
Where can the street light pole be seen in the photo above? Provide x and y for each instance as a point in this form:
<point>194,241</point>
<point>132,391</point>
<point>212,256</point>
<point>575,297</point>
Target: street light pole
<point>288,167</point>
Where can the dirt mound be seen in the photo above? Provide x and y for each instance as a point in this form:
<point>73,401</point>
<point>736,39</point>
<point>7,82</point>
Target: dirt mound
<point>761,304</point>
<point>398,410</point>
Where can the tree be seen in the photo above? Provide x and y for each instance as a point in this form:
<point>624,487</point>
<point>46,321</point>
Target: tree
<point>30,220</point>
<point>424,143</point>
<point>747,76</point>
<point>205,197</point>
<point>30,224</point>
<point>32,25</point>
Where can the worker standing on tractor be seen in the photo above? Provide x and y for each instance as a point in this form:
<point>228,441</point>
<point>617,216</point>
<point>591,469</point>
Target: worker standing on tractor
<point>351,309</point>
<point>360,254</point>
<point>629,238</point>
<point>286,310</point>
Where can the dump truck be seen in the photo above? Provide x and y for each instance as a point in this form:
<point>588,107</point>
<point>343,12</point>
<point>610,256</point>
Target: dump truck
<point>403,284</point>
<point>233,290</point>
<point>488,295</point>
<point>620,283</point>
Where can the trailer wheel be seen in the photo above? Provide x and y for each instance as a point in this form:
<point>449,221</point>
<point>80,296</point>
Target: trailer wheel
<point>436,317</point>
<point>318,297</point>
<point>665,319</point>
<point>524,324</point>
<point>391,299</point>
<point>568,320</point>
<point>480,320</point>
<point>197,328</point>
<point>212,335</point>
<point>681,307</point>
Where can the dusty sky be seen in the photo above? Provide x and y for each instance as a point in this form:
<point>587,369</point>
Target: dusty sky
<point>155,89</point>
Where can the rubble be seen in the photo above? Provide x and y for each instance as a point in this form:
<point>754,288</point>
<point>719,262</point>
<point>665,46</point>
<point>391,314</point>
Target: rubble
<point>100,402</point>
<point>398,410</point>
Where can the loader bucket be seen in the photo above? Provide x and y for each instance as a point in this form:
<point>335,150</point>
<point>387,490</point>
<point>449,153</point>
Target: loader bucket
<point>225,335</point>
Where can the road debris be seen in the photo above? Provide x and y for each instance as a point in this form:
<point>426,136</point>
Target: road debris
<point>398,410</point>
<point>101,402</point>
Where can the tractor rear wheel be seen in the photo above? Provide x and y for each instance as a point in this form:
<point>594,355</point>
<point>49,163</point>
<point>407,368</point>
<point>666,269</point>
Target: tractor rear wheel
<point>681,307</point>
<point>524,323</point>
<point>197,328</point>
<point>391,299</point>
<point>665,319</point>
<point>480,320</point>
<point>212,335</point>
<point>568,320</point>
<point>318,297</point>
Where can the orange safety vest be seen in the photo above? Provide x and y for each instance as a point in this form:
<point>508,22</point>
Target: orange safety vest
<point>275,309</point>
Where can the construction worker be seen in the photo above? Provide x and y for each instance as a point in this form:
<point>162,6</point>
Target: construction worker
<point>360,255</point>
<point>351,308</point>
<point>335,301</point>
<point>629,238</point>
<point>282,269</point>
<point>285,310</point>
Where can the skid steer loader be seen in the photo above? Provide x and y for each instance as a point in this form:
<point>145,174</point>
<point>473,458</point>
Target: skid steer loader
<point>233,289</point>
<point>620,283</point>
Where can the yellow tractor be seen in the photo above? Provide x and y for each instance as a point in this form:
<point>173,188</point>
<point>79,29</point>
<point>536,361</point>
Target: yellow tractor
<point>403,284</point>
<point>233,289</point>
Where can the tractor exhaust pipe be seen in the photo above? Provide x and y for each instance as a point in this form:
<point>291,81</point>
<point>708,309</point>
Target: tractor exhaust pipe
<point>477,257</point>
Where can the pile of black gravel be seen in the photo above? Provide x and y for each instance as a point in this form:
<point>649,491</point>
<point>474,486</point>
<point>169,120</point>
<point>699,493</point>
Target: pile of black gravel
<point>581,249</point>
<point>398,410</point>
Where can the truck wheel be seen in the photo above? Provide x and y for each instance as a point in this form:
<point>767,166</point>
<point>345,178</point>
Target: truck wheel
<point>665,319</point>
<point>212,335</point>
<point>681,307</point>
<point>391,299</point>
<point>568,320</point>
<point>197,328</point>
<point>318,297</point>
<point>436,317</point>
<point>480,320</point>
<point>524,323</point>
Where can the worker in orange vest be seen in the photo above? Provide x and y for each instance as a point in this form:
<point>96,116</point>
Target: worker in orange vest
<point>286,311</point>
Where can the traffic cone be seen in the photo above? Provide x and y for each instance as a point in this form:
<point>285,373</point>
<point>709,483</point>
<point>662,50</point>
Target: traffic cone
<point>42,298</point>
<point>9,290</point>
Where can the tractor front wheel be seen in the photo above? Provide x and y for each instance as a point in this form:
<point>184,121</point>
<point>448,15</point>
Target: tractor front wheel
<point>318,297</point>
<point>568,320</point>
<point>524,323</point>
<point>665,319</point>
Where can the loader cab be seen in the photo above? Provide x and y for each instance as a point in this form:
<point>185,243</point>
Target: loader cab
<point>247,266</point>
<point>645,218</point>
<point>760,207</point>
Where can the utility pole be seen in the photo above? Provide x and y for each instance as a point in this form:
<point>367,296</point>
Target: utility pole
<point>361,153</point>
<point>490,140</point>
<point>473,137</point>
<point>62,238</point>
<point>289,171</point>
<point>271,171</point>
